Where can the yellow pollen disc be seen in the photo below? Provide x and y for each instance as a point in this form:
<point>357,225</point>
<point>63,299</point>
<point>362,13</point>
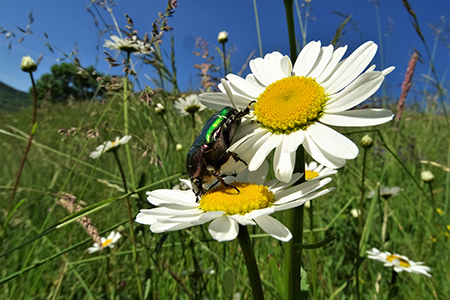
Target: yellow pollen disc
<point>107,242</point>
<point>250,197</point>
<point>113,143</point>
<point>309,175</point>
<point>403,263</point>
<point>290,104</point>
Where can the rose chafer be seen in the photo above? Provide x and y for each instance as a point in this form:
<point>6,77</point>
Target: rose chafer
<point>209,152</point>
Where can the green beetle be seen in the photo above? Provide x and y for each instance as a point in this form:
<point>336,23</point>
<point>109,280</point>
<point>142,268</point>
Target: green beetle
<point>209,152</point>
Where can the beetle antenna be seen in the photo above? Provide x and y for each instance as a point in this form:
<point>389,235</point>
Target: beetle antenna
<point>229,93</point>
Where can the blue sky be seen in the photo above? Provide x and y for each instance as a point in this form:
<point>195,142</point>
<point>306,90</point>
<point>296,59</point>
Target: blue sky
<point>67,23</point>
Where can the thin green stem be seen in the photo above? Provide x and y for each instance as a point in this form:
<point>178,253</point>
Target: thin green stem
<point>257,29</point>
<point>313,251</point>
<point>133,181</point>
<point>24,158</point>
<point>224,60</point>
<point>289,7</point>
<point>250,261</point>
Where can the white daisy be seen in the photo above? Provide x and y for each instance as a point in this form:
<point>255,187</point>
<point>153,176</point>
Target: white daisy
<point>386,192</point>
<point>188,106</point>
<point>295,104</point>
<point>109,146</point>
<point>110,242</point>
<point>227,209</point>
<point>313,170</point>
<point>399,262</point>
<point>128,44</point>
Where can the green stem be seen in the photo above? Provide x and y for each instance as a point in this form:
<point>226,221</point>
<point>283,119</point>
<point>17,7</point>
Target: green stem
<point>313,251</point>
<point>224,60</point>
<point>289,7</point>
<point>133,182</point>
<point>250,261</point>
<point>24,158</point>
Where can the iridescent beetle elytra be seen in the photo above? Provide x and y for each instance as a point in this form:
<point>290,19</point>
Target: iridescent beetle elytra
<point>209,152</point>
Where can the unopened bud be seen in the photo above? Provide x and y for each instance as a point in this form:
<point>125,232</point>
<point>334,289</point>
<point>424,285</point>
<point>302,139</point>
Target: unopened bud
<point>179,147</point>
<point>366,142</point>
<point>427,176</point>
<point>223,37</point>
<point>28,65</point>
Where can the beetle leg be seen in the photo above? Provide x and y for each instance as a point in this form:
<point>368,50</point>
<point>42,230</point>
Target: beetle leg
<point>219,178</point>
<point>245,111</point>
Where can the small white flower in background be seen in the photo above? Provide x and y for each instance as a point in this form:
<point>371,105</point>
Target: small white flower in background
<point>314,170</point>
<point>109,146</point>
<point>355,212</point>
<point>110,242</point>
<point>160,109</point>
<point>222,37</point>
<point>296,105</point>
<point>399,262</point>
<point>28,65</point>
<point>189,105</point>
<point>227,209</point>
<point>128,45</point>
<point>386,192</point>
<point>427,176</point>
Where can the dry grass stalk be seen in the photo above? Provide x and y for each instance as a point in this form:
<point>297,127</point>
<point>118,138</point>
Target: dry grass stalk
<point>72,205</point>
<point>406,85</point>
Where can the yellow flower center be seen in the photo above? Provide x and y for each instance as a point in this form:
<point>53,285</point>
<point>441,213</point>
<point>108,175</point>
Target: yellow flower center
<point>290,104</point>
<point>403,263</point>
<point>309,175</point>
<point>107,242</point>
<point>113,143</point>
<point>227,199</point>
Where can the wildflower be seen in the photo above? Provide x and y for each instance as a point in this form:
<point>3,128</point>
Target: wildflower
<point>160,109</point>
<point>222,37</point>
<point>110,242</point>
<point>314,170</point>
<point>399,262</point>
<point>28,65</point>
<point>189,105</point>
<point>131,45</point>
<point>294,105</point>
<point>227,209</point>
<point>427,176</point>
<point>109,146</point>
<point>386,192</point>
<point>439,211</point>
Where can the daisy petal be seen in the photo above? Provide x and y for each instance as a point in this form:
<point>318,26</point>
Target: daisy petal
<point>283,164</point>
<point>307,58</point>
<point>359,90</point>
<point>321,156</point>
<point>223,229</point>
<point>274,227</point>
<point>292,141</point>
<point>335,58</point>
<point>272,141</point>
<point>270,69</point>
<point>358,117</point>
<point>244,87</point>
<point>332,141</point>
<point>322,61</point>
<point>351,67</point>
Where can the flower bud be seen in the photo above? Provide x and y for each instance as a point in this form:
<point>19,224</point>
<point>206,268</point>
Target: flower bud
<point>366,142</point>
<point>179,147</point>
<point>28,65</point>
<point>427,176</point>
<point>223,37</point>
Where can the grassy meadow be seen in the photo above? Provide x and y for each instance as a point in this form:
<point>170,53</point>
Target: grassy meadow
<point>44,245</point>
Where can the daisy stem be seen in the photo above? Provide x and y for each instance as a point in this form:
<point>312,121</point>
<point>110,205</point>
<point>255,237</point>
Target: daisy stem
<point>289,7</point>
<point>293,255</point>
<point>130,166</point>
<point>22,163</point>
<point>250,261</point>
<point>313,251</point>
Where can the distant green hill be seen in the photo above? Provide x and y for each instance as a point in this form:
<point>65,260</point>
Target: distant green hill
<point>12,99</point>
